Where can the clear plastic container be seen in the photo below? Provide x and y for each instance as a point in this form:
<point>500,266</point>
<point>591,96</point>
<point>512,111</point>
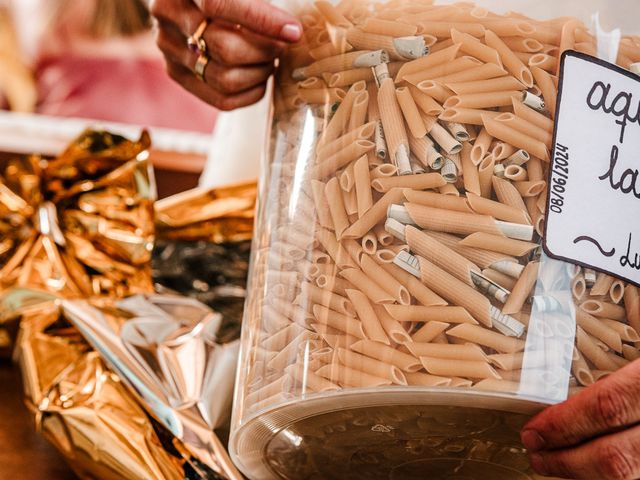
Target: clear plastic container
<point>403,321</point>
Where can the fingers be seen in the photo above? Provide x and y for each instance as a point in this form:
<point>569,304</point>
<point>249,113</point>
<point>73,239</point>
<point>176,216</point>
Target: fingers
<point>256,15</point>
<point>232,47</point>
<point>603,407</point>
<point>226,79</point>
<point>213,97</point>
<point>613,457</point>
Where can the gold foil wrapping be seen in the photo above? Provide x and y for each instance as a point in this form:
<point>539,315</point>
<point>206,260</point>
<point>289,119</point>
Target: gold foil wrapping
<point>80,224</point>
<point>82,408</point>
<point>217,215</point>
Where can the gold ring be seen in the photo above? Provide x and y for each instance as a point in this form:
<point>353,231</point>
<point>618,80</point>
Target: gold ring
<point>201,66</point>
<point>195,42</point>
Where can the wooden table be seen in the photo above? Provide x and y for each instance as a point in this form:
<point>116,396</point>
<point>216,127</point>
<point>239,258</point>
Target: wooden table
<point>24,454</point>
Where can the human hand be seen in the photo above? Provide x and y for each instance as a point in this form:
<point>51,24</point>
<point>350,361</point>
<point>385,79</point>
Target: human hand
<point>243,39</point>
<point>593,435</point>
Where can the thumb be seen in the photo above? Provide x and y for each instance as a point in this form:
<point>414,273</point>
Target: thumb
<point>256,15</point>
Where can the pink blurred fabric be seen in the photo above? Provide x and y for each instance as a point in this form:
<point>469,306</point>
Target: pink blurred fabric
<point>119,89</point>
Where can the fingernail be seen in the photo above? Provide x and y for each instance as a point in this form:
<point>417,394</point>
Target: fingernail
<point>531,440</point>
<point>291,32</point>
<point>537,463</point>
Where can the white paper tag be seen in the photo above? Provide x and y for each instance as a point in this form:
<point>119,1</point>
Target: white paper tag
<point>593,213</point>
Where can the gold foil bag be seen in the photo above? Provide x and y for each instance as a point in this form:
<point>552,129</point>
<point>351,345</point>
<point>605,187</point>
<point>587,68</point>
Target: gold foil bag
<point>83,409</point>
<point>80,224</point>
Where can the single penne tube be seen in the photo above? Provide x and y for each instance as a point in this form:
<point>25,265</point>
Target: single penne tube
<point>482,336</point>
<point>362,182</point>
<point>510,61</point>
<point>508,194</point>
<point>543,61</point>
<point>417,313</point>
<point>370,243</point>
<point>347,178</point>
<point>428,332</point>
<point>348,77</point>
<point>344,323</point>
<point>581,370</point>
<point>444,139</point>
<point>442,70</point>
<point>420,292</point>
<point>522,289</point>
<point>353,248</point>
<point>599,329</point>
<point>523,44</point>
<point>472,116</point>
<point>387,27</point>
<point>341,159</point>
<point>499,244</point>
<point>393,125</point>
<point>504,280</point>
<point>358,111</point>
<point>498,210</point>
<point>337,252</point>
<point>364,132</point>
<point>384,170</point>
<point>423,181</point>
<point>480,72</point>
<point>602,285</point>
<point>394,329</point>
<point>466,351</point>
<point>334,64</point>
<point>338,124</point>
<point>435,90</point>
<point>502,151</point>
<point>508,27</point>
<point>500,84</point>
<point>410,112</point>
<point>421,243</point>
<point>426,380</point>
<point>592,352</point>
<point>349,377</point>
<point>531,116</point>
<point>481,146</point>
<point>454,291</point>
<point>427,62</point>
<point>314,294</point>
<point>462,368</point>
<point>474,47</point>
<point>632,306</point>
<point>309,380</point>
<point>530,188</point>
<point>333,193</point>
<point>425,151</point>
<point>514,137</point>
<point>370,288</point>
<point>376,214</point>
<point>371,366</point>
<point>427,104</point>
<point>387,354</point>
<point>482,100</point>
<point>444,29</point>
<point>548,88</point>
<point>525,127</point>
<point>616,292</point>
<point>370,321</point>
<point>601,309</point>
<point>437,200</point>
<point>386,281</point>
<point>321,204</point>
<point>446,221</point>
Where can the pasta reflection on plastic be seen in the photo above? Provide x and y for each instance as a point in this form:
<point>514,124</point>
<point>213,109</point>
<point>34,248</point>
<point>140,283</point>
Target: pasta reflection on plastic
<point>397,262</point>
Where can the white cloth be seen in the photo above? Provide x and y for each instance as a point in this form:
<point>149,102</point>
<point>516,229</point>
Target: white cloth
<point>240,136</point>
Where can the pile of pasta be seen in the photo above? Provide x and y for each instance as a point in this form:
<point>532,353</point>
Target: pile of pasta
<point>402,217</point>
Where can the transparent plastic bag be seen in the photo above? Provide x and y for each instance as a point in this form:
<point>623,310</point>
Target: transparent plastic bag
<point>403,320</point>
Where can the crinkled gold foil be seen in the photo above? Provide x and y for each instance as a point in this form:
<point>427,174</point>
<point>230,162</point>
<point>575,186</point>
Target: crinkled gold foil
<point>223,214</point>
<point>82,223</point>
<point>83,408</point>
<point>165,348</point>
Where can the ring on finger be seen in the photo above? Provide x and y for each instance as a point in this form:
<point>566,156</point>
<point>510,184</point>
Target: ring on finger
<point>201,66</point>
<point>196,41</point>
